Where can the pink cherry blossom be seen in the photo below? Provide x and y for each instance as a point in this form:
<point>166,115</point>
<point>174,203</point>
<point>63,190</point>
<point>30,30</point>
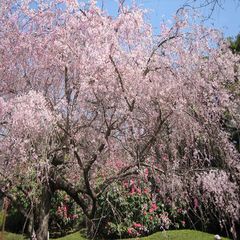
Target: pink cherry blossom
<point>88,100</point>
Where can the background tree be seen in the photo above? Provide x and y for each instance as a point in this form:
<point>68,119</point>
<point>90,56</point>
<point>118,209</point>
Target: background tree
<point>235,44</point>
<point>232,121</point>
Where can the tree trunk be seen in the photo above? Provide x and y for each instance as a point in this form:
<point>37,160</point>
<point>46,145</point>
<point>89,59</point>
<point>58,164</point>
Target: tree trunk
<point>31,224</point>
<point>91,228</point>
<point>42,214</point>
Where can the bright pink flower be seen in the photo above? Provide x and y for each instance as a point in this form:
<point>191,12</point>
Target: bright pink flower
<point>132,181</point>
<point>153,208</point>
<point>130,231</point>
<point>138,190</point>
<point>137,225</point>
<point>145,191</point>
<point>132,190</point>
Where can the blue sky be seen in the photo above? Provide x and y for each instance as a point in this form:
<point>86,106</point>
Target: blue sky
<point>227,19</point>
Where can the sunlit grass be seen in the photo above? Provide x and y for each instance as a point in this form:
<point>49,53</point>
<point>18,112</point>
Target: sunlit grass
<point>166,235</point>
<point>73,236</point>
<point>181,235</point>
<point>11,236</point>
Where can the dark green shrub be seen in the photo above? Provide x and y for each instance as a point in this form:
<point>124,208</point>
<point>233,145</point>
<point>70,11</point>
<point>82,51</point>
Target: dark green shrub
<point>65,216</point>
<point>133,209</point>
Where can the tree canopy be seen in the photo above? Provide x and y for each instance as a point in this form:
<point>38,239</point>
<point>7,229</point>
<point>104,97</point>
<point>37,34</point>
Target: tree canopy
<point>88,100</point>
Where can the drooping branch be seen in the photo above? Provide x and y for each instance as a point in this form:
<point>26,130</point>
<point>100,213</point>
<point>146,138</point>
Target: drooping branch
<point>60,183</point>
<point>152,140</point>
<point>159,45</point>
<point>130,104</point>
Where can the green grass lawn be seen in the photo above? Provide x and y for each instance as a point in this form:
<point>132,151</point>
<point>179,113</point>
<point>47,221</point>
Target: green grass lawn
<point>73,236</point>
<point>181,235</point>
<point>12,236</point>
<point>167,235</point>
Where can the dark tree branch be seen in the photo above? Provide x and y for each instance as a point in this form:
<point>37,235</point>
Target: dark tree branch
<point>130,105</point>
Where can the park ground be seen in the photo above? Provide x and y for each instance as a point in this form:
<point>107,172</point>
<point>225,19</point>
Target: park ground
<point>166,235</point>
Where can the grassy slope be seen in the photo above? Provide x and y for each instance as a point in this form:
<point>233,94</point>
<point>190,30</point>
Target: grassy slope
<point>167,235</point>
<point>12,236</point>
<point>181,235</point>
<point>73,236</point>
